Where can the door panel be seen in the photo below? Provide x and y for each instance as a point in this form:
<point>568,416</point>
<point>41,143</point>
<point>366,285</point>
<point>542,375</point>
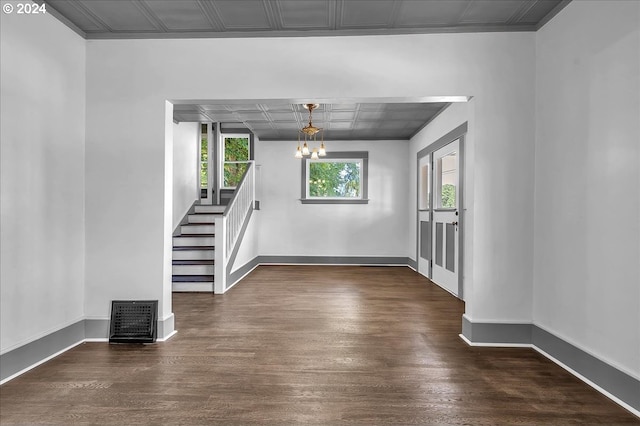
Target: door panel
<point>451,248</point>
<point>425,240</point>
<point>438,243</point>
<point>445,216</point>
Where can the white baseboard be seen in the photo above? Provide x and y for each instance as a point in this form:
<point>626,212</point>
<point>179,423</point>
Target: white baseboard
<point>495,345</point>
<point>169,336</point>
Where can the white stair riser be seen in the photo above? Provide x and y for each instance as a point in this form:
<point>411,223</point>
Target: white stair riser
<point>194,255</point>
<point>193,286</point>
<point>198,229</point>
<point>193,269</point>
<point>194,241</point>
<point>202,218</point>
<point>210,209</point>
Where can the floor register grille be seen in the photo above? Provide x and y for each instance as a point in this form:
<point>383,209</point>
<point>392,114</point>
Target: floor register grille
<point>133,321</point>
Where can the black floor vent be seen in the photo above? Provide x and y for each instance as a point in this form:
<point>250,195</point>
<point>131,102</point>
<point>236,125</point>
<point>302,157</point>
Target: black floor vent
<point>133,321</point>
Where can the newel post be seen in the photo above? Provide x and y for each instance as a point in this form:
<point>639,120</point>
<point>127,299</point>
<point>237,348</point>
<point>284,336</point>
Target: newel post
<point>220,269</point>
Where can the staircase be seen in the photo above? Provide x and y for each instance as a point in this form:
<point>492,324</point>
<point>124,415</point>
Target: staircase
<point>194,250</point>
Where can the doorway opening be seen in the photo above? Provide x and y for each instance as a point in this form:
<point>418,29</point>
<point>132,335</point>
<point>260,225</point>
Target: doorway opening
<point>440,169</point>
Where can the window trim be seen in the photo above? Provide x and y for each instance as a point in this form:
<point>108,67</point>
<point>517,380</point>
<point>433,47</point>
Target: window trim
<point>360,156</point>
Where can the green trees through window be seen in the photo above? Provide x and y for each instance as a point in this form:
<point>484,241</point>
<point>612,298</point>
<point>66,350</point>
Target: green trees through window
<point>334,179</point>
<point>204,158</point>
<point>236,155</point>
<point>448,196</point>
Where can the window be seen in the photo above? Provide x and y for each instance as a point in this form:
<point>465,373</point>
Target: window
<point>235,154</point>
<point>447,179</point>
<point>334,179</point>
<point>204,158</point>
<point>338,178</point>
<point>424,184</point>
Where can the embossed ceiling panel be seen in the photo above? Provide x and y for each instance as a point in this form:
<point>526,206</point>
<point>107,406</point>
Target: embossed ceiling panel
<point>128,16</point>
<point>349,121</point>
<point>491,11</point>
<point>434,13</point>
<point>186,15</point>
<point>341,115</point>
<point>310,14</point>
<point>77,15</point>
<point>537,12</point>
<point>360,14</point>
<point>96,19</point>
<point>242,14</point>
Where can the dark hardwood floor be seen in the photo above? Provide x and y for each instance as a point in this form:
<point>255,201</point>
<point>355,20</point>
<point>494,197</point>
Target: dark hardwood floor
<point>308,345</point>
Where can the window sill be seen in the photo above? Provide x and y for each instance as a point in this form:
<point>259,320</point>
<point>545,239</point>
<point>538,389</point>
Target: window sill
<point>333,201</point>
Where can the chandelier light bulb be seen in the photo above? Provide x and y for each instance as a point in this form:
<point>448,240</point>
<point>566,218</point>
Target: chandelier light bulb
<point>322,152</point>
<point>298,152</point>
<point>314,154</point>
<point>305,149</point>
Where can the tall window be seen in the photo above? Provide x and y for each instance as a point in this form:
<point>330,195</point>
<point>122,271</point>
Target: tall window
<point>204,158</point>
<point>424,184</point>
<point>235,156</point>
<point>340,177</point>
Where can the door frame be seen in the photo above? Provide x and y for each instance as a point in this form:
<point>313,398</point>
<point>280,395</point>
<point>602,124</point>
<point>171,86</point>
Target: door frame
<point>457,133</point>
<point>429,212</point>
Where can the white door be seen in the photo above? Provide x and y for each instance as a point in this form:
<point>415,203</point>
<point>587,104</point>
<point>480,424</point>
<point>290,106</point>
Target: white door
<point>424,216</point>
<point>446,202</point>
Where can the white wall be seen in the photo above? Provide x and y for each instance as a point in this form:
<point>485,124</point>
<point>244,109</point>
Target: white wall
<point>452,117</point>
<point>249,248</point>
<point>291,228</point>
<point>42,178</point>
<point>586,242</point>
<point>587,217</point>
<point>185,169</point>
<point>128,82</point>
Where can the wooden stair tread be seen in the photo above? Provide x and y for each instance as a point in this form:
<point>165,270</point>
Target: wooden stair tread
<point>194,235</point>
<point>192,278</point>
<point>193,262</point>
<point>190,248</point>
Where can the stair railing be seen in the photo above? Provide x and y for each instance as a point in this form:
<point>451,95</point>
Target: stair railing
<point>229,225</point>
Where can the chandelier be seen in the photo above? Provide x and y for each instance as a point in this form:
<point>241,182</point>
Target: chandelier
<point>309,133</point>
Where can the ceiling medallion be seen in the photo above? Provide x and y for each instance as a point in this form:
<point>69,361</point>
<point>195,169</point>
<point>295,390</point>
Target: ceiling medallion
<point>310,133</point>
